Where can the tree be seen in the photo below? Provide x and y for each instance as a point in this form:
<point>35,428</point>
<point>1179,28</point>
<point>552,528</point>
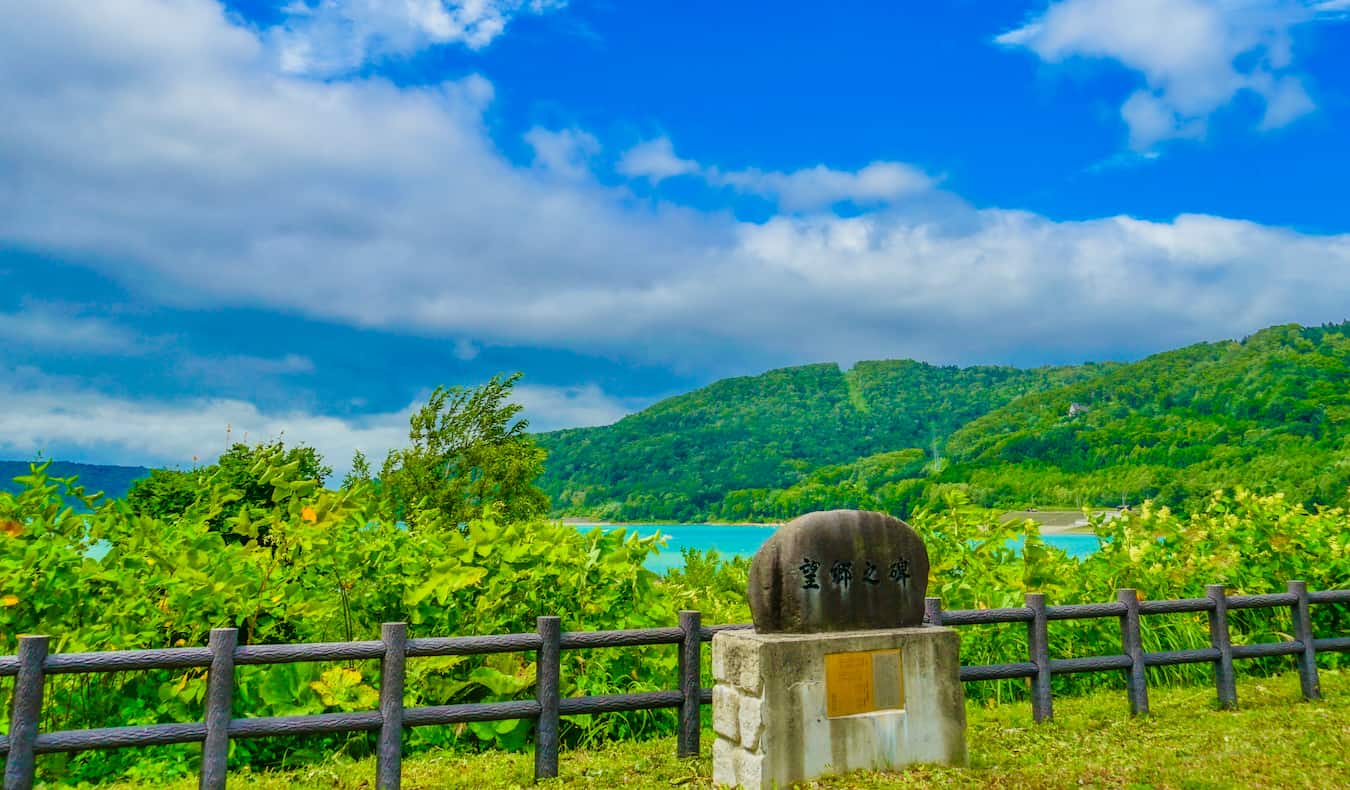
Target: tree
<point>469,452</point>
<point>360,472</point>
<point>164,494</point>
<point>241,465</point>
<point>168,494</point>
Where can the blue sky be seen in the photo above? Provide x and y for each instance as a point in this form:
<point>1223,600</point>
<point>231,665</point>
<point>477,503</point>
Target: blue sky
<point>296,217</point>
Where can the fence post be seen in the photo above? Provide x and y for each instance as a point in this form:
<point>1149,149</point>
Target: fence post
<point>932,610</point>
<point>26,713</point>
<point>1136,681</point>
<point>1307,660</point>
<point>1219,639</point>
<point>219,699</point>
<point>691,646</point>
<point>389,753</point>
<point>547,667</point>
<point>1038,649</point>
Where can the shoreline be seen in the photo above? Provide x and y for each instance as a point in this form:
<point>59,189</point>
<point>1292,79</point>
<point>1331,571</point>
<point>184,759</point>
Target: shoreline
<point>578,521</point>
<point>1070,529</point>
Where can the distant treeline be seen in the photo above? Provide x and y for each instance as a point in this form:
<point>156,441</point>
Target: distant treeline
<point>113,481</point>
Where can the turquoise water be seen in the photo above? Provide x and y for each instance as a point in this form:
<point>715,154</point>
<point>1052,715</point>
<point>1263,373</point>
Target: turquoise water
<point>741,541</point>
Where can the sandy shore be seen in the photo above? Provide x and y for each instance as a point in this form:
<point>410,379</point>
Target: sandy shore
<point>593,522</point>
<point>1046,529</point>
<point>1073,529</point>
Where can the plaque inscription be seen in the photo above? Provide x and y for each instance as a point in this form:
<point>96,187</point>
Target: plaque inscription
<point>863,682</point>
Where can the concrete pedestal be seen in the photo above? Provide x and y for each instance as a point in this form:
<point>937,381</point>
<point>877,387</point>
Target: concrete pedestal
<point>772,708</point>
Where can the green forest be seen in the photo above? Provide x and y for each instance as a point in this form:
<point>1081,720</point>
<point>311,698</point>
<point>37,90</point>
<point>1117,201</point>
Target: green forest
<point>1270,412</point>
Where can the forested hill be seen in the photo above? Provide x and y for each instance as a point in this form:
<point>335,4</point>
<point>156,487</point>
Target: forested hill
<point>114,481</point>
<point>679,458</point>
<point>1271,413</point>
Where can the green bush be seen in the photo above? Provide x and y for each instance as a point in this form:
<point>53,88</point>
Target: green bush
<point>317,566</point>
<point>308,564</point>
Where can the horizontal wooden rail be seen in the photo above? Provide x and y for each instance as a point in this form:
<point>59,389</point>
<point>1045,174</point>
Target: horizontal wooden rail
<point>1134,659</point>
<point>1177,606</point>
<point>1081,611</point>
<point>33,663</point>
<point>1261,601</point>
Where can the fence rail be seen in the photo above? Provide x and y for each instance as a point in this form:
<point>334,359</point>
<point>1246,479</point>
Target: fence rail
<point>1039,668</point>
<point>33,663</point>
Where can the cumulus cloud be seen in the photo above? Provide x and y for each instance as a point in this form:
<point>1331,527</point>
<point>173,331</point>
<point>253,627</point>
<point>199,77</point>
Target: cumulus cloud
<point>656,160</point>
<point>173,434</point>
<point>808,188</point>
<point>180,164</point>
<point>328,37</point>
<point>550,408</point>
<point>160,146</point>
<point>563,152</point>
<point>44,413</point>
<point>819,186</point>
<point>1195,56</point>
<point>1000,280</point>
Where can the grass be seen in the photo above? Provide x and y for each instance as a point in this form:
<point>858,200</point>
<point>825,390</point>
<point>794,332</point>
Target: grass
<point>1275,740</point>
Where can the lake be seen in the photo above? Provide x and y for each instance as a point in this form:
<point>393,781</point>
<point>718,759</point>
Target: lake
<point>743,541</point>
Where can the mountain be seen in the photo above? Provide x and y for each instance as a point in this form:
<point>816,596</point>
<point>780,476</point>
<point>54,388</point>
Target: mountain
<point>678,459</point>
<point>1270,413</point>
<point>113,481</point>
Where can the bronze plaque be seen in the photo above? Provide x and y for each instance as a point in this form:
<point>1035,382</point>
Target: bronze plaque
<point>863,682</point>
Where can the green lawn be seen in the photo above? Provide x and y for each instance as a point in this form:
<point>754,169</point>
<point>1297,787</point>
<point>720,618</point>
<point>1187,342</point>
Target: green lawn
<point>1274,740</point>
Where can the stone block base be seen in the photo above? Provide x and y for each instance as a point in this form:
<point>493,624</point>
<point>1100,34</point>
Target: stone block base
<point>772,708</point>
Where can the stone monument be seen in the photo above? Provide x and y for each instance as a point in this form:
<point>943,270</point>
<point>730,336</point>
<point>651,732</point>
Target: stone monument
<point>839,673</point>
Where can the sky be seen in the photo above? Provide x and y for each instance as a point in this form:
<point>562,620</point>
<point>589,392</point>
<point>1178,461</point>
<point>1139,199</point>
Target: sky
<point>261,219</point>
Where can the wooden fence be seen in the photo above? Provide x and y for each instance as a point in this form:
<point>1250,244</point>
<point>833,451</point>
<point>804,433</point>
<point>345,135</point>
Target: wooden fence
<point>1039,667</point>
<point>33,663</point>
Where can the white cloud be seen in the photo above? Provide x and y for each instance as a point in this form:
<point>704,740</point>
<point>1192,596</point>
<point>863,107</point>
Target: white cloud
<point>805,189</point>
<point>152,141</point>
<point>179,164</point>
<point>327,37</point>
<point>44,413</point>
<point>655,160</point>
<point>999,281</point>
<point>466,349</point>
<point>549,408</point>
<point>1286,100</point>
<point>1195,56</point>
<point>239,367</point>
<point>820,186</point>
<point>173,434</point>
<point>563,152</point>
<point>63,329</point>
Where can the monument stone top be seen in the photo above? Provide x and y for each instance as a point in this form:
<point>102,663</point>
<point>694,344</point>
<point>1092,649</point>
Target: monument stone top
<point>839,570</point>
